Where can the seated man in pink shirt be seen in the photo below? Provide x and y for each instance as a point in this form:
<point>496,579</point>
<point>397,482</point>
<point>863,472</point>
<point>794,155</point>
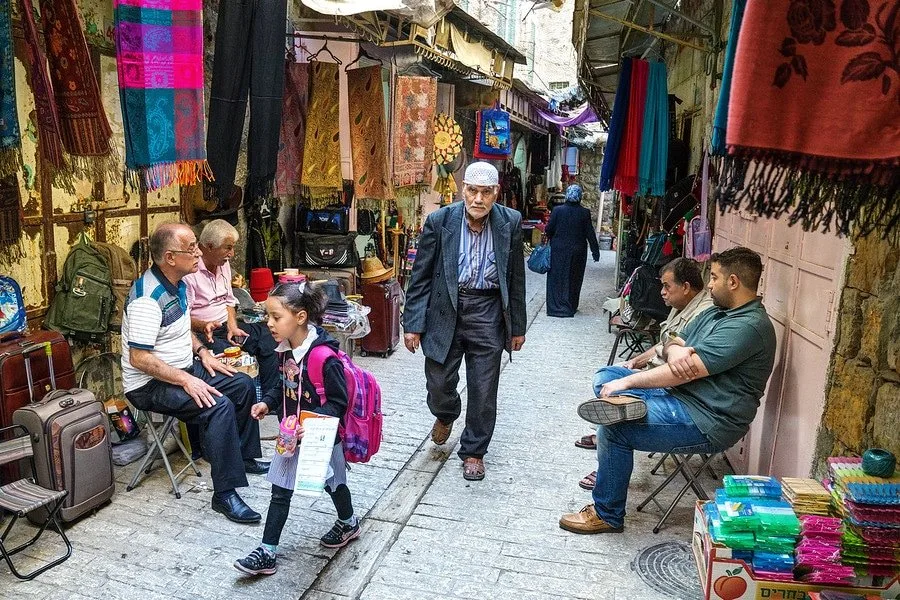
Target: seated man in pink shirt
<point>213,314</point>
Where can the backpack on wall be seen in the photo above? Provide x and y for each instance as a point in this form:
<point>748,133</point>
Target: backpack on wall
<point>84,298</point>
<point>360,429</point>
<point>12,306</point>
<point>122,272</point>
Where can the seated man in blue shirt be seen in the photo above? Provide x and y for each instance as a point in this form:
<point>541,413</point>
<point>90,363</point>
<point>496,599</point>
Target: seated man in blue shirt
<point>702,400</point>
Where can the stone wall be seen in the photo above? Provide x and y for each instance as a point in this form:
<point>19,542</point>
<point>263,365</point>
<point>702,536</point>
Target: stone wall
<point>588,176</point>
<point>862,398</point>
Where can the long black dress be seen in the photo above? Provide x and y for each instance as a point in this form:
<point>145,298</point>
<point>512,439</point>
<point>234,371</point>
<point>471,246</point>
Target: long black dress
<point>570,231</point>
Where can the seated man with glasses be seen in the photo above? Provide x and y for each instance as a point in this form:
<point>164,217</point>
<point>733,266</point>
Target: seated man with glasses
<point>213,315</point>
<point>167,370</point>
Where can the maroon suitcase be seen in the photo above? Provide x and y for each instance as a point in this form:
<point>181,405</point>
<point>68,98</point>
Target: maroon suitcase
<point>384,300</point>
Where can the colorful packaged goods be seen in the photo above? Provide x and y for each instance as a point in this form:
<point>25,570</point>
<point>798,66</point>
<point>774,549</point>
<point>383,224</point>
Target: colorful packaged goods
<point>807,496</point>
<point>752,486</point>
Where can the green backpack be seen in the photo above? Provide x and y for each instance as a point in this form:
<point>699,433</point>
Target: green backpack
<point>84,298</point>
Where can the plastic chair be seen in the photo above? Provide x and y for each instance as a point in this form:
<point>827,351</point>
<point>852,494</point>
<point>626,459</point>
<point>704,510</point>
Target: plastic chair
<point>24,496</point>
<point>156,439</point>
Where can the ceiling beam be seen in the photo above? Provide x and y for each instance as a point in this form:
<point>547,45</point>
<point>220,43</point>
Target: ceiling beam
<point>648,31</point>
<point>682,16</point>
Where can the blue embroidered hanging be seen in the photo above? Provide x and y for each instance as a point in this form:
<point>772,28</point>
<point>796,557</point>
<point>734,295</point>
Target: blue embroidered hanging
<point>492,136</point>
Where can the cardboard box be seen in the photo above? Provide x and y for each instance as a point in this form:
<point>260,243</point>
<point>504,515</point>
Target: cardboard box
<point>244,363</point>
<point>725,578</point>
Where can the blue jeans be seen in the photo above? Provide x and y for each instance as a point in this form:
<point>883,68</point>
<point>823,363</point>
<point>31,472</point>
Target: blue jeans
<point>667,428</point>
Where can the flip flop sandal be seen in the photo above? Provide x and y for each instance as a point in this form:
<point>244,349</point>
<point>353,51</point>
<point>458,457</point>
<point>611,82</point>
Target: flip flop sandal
<point>588,481</point>
<point>612,410</point>
<point>587,442</point>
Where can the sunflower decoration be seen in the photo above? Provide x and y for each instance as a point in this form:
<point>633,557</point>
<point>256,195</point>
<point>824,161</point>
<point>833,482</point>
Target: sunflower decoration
<point>448,139</point>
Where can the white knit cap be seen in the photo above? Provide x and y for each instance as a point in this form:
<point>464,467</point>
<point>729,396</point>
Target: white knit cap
<point>481,173</point>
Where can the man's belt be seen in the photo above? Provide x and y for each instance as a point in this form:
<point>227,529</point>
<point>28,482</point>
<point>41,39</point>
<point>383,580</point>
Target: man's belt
<point>467,291</point>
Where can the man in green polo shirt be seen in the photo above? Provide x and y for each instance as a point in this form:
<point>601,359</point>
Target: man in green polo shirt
<point>702,400</point>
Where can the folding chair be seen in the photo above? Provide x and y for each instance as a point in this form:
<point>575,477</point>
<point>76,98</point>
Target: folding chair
<point>23,496</point>
<point>156,450</point>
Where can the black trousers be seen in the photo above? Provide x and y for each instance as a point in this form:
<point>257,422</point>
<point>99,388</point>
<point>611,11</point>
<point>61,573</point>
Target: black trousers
<point>280,506</point>
<point>480,338</point>
<point>249,57</point>
<point>230,435</point>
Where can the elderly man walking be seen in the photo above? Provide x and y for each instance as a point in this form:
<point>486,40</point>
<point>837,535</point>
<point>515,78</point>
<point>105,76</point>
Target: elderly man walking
<point>165,369</point>
<point>213,316</point>
<point>466,298</point>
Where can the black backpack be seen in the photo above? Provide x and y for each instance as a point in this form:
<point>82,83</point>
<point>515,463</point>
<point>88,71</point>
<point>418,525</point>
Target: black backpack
<point>645,294</point>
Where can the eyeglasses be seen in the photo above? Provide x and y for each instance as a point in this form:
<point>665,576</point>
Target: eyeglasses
<point>192,249</point>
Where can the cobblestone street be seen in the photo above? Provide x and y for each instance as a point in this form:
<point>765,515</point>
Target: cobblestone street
<point>427,532</point>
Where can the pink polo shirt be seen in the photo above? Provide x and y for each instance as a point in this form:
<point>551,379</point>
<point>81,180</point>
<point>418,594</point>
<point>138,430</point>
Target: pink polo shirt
<point>212,294</point>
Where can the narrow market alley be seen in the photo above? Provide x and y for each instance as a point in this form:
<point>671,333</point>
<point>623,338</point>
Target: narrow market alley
<point>427,532</point>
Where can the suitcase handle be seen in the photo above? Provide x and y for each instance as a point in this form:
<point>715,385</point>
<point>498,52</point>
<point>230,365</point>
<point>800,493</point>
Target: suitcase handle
<point>58,393</point>
<point>47,347</point>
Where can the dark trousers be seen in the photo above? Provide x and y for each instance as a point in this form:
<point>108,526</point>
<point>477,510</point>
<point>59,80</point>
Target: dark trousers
<point>259,344</point>
<point>480,337</point>
<point>230,435</point>
<point>249,57</point>
<point>280,506</point>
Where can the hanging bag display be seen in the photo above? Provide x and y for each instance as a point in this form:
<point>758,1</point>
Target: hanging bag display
<point>328,250</point>
<point>492,138</point>
<point>698,238</point>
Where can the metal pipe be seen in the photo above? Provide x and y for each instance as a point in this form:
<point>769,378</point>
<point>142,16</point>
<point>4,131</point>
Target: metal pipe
<point>681,15</point>
<point>664,36</point>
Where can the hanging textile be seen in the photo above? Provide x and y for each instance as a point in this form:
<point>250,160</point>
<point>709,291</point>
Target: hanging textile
<point>585,115</point>
<point>10,137</point>
<point>322,148</point>
<point>814,100</point>
<point>655,136</point>
<point>293,129</point>
<point>492,134</point>
<point>368,137</point>
<point>159,56</point>
<point>720,122</point>
<point>616,127</point>
<point>415,102</point>
<point>626,180</point>
<point>11,216</point>
<point>84,129</point>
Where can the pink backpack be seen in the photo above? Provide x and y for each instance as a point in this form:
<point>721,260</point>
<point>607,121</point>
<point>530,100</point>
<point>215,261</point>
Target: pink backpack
<point>360,429</point>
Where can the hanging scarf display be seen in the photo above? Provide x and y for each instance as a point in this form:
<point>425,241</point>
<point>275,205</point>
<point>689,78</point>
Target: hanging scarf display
<point>616,127</point>
<point>10,137</point>
<point>293,129</point>
<point>415,100</point>
<point>11,216</point>
<point>159,57</point>
<point>83,126</point>
<point>368,138</point>
<point>814,101</point>
<point>448,140</point>
<point>322,147</point>
<point>626,180</point>
<point>655,136</point>
<point>49,135</point>
<point>720,122</point>
<point>492,134</point>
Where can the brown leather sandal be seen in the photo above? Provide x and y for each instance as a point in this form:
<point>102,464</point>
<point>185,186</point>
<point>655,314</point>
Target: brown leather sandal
<point>588,442</point>
<point>473,469</point>
<point>588,481</point>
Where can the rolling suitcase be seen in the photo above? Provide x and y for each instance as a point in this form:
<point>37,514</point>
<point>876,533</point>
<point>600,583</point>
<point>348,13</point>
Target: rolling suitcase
<point>14,391</point>
<point>70,437</point>
<point>384,319</point>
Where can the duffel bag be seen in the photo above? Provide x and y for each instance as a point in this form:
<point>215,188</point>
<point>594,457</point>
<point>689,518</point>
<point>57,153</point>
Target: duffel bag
<point>324,220</point>
<point>327,250</point>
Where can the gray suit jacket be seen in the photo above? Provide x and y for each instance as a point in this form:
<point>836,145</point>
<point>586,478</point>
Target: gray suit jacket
<point>433,292</point>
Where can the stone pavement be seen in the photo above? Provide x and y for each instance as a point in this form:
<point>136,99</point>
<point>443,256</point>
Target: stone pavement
<point>427,532</point>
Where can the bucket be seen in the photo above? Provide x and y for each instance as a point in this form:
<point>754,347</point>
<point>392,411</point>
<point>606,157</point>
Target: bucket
<point>605,242</point>
<point>261,283</point>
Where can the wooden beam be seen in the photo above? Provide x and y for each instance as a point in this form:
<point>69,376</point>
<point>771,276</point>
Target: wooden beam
<point>659,34</point>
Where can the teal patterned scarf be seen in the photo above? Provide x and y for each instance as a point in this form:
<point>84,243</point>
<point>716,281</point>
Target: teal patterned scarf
<point>10,157</point>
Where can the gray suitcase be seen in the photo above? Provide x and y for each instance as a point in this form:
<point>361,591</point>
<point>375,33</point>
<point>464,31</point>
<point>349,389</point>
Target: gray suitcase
<point>72,450</point>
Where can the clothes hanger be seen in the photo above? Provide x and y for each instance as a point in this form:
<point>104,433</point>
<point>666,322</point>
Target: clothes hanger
<point>422,66</point>
<point>324,48</point>
<point>363,54</point>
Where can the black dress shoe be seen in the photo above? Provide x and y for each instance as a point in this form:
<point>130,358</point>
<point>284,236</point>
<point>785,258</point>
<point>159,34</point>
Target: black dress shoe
<point>256,467</point>
<point>234,508</point>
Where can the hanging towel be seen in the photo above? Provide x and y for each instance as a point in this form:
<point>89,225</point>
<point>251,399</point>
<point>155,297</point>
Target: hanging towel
<point>10,137</point>
<point>293,129</point>
<point>159,56</point>
<point>655,136</point>
<point>815,100</point>
<point>717,146</point>
<point>368,137</point>
<point>616,126</point>
<point>322,148</point>
<point>626,180</point>
<point>415,100</point>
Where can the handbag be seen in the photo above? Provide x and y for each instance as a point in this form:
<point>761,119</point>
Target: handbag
<point>324,220</point>
<point>327,250</point>
<point>539,261</point>
<point>698,238</point>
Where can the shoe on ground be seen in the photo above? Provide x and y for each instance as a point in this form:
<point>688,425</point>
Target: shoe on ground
<point>234,508</point>
<point>256,467</point>
<point>440,432</point>
<point>473,469</point>
<point>587,521</point>
<point>612,410</point>
<point>258,562</point>
<point>340,535</point>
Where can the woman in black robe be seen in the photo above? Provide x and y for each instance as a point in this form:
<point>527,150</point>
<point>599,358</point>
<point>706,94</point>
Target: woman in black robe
<point>570,231</point>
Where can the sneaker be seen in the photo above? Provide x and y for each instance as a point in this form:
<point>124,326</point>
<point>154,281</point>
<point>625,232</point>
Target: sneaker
<point>259,562</point>
<point>340,535</point>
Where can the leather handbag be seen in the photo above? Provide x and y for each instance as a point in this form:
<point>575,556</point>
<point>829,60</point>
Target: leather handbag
<point>324,220</point>
<point>327,250</point>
